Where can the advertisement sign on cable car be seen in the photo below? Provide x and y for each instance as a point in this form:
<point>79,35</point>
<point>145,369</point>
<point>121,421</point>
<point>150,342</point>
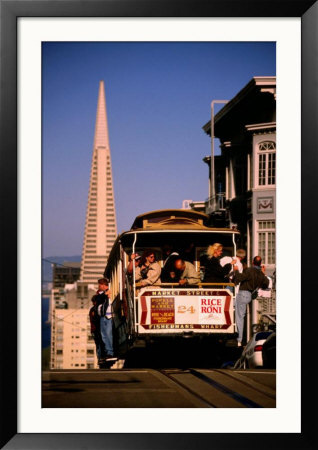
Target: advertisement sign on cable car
<point>179,310</point>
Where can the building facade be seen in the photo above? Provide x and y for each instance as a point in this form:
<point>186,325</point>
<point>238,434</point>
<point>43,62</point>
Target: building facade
<point>72,346</point>
<point>66,273</point>
<point>245,172</point>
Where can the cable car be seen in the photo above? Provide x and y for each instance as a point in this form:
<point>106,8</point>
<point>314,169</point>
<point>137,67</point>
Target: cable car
<point>168,309</point>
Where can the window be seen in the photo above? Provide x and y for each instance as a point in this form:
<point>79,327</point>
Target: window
<point>96,257</point>
<point>266,163</point>
<point>266,241</point>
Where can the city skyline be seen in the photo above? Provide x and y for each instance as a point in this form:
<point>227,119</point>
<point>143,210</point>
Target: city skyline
<point>158,99</point>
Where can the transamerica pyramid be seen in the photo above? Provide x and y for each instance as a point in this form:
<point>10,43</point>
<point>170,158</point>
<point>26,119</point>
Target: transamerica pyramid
<point>100,226</point>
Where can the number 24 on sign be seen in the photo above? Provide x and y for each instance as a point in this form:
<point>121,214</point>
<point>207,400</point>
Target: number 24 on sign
<point>183,309</point>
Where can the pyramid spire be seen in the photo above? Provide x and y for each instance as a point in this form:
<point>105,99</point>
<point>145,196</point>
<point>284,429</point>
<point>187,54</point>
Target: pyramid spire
<point>100,227</point>
<point>101,128</point>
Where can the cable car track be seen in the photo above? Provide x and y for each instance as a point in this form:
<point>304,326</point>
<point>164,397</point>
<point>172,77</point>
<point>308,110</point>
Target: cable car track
<point>248,383</point>
<point>222,388</point>
<point>225,390</point>
<point>185,387</point>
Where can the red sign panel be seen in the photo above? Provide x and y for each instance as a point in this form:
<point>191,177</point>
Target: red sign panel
<point>162,310</point>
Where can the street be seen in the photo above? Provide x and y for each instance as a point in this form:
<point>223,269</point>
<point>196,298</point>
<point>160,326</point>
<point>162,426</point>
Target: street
<point>159,388</point>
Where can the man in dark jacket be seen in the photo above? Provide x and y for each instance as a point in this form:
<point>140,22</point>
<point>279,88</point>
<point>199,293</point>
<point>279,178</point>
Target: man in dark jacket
<point>106,317</point>
<point>252,279</point>
<point>95,329</point>
<point>168,272</point>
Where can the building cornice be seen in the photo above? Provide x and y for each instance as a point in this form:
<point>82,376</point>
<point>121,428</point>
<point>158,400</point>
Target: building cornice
<point>261,126</point>
<point>264,84</point>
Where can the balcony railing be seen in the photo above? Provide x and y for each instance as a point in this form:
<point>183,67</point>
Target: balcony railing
<point>215,203</point>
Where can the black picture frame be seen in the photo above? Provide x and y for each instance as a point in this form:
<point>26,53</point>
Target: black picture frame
<point>10,10</point>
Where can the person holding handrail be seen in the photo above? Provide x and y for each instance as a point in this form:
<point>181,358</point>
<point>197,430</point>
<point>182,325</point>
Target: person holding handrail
<point>188,273</point>
<point>168,273</point>
<point>105,312</point>
<point>135,258</point>
<point>214,272</point>
<point>251,279</point>
<point>148,271</point>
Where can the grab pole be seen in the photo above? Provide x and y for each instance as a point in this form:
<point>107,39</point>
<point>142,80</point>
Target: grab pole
<point>134,284</point>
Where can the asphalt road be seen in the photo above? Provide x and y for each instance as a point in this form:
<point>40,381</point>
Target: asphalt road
<point>159,388</point>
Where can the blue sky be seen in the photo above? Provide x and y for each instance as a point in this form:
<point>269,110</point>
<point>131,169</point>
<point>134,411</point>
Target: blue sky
<point>158,97</point>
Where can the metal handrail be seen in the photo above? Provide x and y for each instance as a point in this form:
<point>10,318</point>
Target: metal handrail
<point>187,286</point>
<point>217,202</point>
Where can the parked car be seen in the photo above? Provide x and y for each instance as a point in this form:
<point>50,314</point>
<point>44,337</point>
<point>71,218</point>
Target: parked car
<point>252,354</point>
<point>269,352</point>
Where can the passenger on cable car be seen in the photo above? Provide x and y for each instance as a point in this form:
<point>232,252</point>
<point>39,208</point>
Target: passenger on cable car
<point>239,257</point>
<point>105,311</point>
<point>134,258</point>
<point>168,272</point>
<point>95,328</point>
<point>214,272</point>
<point>251,279</point>
<point>188,273</point>
<point>188,254</point>
<point>149,270</point>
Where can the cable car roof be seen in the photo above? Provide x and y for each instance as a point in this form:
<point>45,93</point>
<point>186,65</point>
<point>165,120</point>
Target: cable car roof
<point>170,218</point>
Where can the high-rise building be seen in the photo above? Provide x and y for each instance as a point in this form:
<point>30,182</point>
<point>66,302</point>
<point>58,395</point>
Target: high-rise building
<point>72,346</point>
<point>100,226</point>
<point>66,273</point>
